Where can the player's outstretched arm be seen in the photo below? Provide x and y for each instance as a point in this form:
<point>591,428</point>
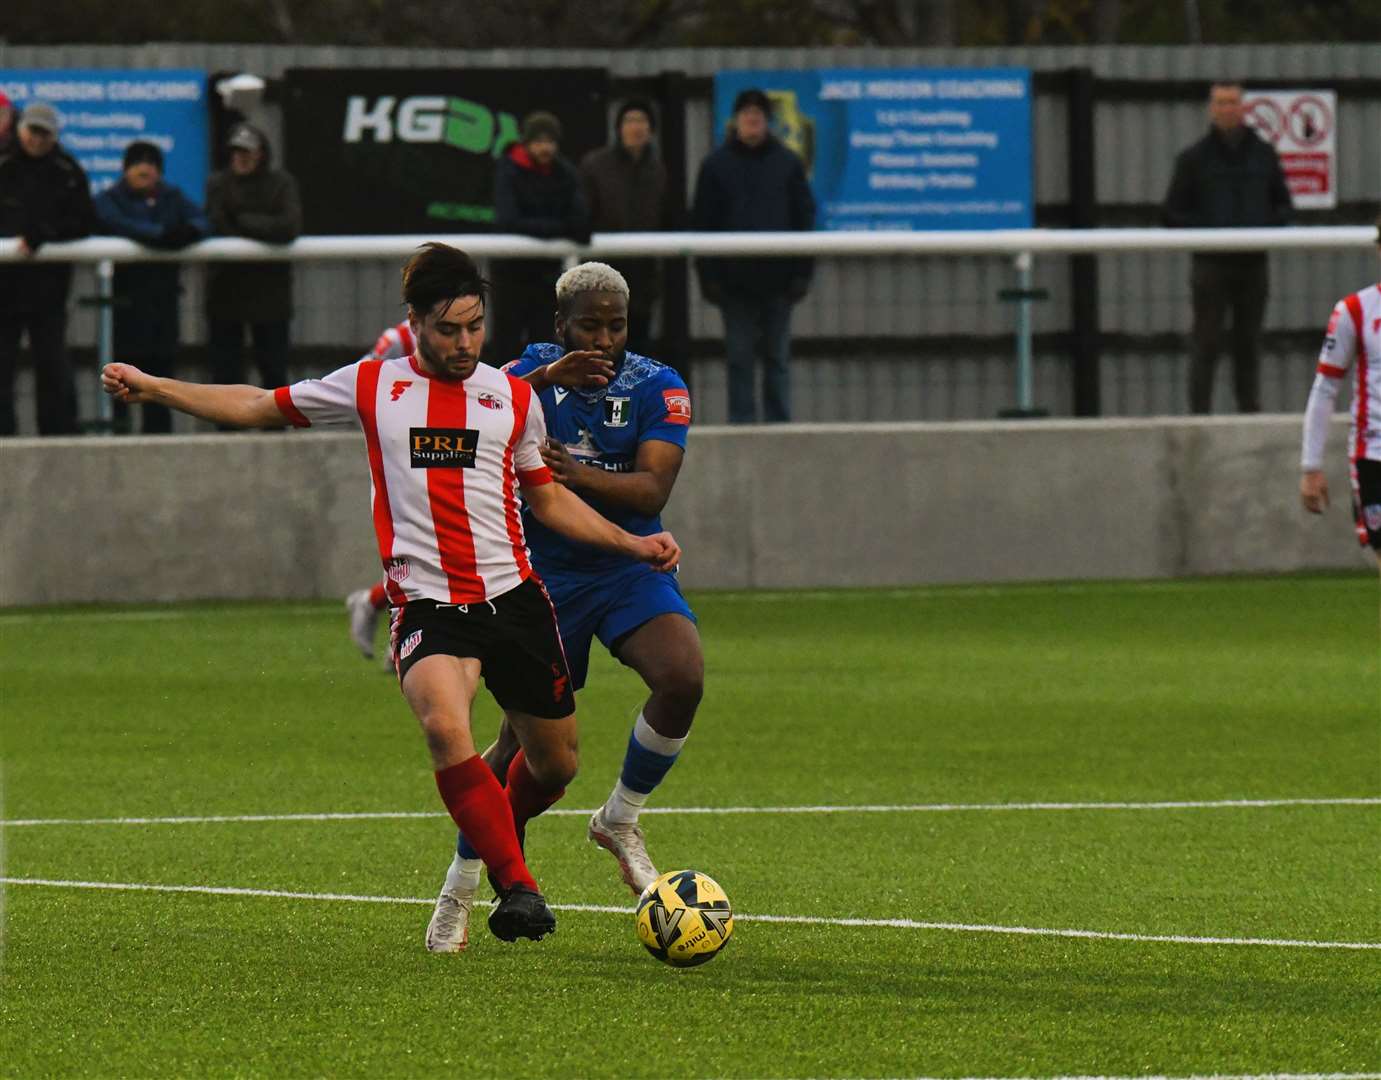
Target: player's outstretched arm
<point>559,509</point>
<point>236,406</point>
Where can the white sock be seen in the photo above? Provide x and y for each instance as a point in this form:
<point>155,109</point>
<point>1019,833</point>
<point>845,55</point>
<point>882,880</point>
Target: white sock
<point>464,874</point>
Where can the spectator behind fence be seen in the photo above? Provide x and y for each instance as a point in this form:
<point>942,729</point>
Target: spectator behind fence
<point>44,196</point>
<point>144,208</point>
<point>536,193</point>
<point>1231,178</point>
<point>753,183</point>
<point>253,200</point>
<point>625,186</point>
<point>6,123</point>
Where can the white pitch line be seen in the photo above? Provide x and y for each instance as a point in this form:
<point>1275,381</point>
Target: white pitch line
<point>1216,1076</point>
<point>880,808</point>
<point>801,920</point>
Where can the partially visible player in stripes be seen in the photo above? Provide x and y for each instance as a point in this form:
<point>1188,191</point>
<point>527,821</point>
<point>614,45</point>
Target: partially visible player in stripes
<point>451,443</point>
<point>394,343</point>
<point>1351,346</point>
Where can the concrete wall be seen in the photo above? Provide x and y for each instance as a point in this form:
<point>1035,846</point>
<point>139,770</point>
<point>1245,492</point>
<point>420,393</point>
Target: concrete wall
<point>286,515</point>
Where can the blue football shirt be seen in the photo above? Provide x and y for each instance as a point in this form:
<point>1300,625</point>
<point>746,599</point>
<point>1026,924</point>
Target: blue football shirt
<point>603,428</point>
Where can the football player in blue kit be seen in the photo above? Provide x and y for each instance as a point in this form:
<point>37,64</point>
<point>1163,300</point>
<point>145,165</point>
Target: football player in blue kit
<point>617,423</point>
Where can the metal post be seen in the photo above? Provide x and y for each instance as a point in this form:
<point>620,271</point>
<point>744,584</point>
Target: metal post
<point>105,337</point>
<point>1026,396</point>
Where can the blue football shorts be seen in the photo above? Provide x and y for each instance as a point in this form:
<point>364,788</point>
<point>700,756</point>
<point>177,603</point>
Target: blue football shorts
<point>609,606</point>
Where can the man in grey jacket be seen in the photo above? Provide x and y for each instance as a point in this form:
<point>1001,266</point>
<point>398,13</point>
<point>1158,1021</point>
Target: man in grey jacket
<point>625,186</point>
<point>253,200</point>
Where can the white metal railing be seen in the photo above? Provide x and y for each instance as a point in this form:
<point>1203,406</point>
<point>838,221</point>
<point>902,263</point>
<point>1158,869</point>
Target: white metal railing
<point>1021,245</point>
<point>995,242</point>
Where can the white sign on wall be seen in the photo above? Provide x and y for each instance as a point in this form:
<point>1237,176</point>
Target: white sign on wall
<point>1302,125</point>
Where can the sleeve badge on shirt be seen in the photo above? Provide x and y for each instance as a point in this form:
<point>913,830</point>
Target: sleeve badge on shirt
<point>678,406</point>
<point>616,411</point>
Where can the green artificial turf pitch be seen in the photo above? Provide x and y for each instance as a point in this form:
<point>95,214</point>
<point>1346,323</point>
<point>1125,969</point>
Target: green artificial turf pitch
<point>1230,689</point>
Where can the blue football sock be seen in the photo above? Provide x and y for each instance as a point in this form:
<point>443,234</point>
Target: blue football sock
<point>646,762</point>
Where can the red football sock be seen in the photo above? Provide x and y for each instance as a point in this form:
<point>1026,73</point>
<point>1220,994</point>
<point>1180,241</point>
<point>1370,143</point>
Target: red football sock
<point>378,597</point>
<point>525,795</point>
<point>476,803</point>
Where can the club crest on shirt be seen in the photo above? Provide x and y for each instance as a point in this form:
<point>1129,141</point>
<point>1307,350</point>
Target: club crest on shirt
<point>489,401</point>
<point>398,569</point>
<point>442,448</point>
<point>616,411</point>
<point>409,644</point>
<point>1372,516</point>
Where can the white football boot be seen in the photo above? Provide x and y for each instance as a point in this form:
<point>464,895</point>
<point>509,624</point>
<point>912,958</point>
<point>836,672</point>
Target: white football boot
<point>449,929</point>
<point>625,842</point>
<point>364,617</point>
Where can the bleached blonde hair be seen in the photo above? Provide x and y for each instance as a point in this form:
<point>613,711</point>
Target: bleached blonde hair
<point>588,277</point>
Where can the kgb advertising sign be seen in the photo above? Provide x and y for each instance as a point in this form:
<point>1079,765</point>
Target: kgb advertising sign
<point>413,151</point>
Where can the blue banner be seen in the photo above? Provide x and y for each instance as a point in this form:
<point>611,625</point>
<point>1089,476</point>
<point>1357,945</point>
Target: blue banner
<point>912,148</point>
<point>102,110</point>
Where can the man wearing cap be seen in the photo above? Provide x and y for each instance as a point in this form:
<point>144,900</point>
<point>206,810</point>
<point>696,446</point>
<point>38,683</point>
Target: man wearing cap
<point>44,197</point>
<point>753,183</point>
<point>253,200</point>
<point>146,209</point>
<point>625,186</point>
<point>536,193</point>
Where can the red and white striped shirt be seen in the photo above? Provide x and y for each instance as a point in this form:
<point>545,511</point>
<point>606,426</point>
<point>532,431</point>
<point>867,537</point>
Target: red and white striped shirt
<point>446,459</point>
<point>394,342</point>
<point>1352,343</point>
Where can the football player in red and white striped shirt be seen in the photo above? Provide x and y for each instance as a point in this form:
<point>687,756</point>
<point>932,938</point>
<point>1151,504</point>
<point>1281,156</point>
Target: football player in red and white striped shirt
<point>1352,344</point>
<point>451,443</point>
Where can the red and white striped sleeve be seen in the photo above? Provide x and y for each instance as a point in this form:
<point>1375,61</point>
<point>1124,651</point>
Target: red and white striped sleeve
<point>328,401</point>
<point>527,452</point>
<point>1335,359</point>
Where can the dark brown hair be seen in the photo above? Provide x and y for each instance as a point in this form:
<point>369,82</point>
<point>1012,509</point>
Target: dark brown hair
<point>438,272</point>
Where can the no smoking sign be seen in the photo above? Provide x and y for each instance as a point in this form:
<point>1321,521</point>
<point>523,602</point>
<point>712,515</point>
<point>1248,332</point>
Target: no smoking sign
<point>1302,126</point>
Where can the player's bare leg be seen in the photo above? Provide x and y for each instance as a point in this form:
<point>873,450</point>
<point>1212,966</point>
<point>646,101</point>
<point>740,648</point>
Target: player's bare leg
<point>665,651</point>
<point>440,690</point>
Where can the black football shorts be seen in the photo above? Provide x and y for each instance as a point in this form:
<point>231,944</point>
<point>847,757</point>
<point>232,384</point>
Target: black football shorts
<point>514,637</point>
<point>1366,501</point>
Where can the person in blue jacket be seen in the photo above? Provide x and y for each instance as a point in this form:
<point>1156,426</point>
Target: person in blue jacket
<point>754,183</point>
<point>150,211</point>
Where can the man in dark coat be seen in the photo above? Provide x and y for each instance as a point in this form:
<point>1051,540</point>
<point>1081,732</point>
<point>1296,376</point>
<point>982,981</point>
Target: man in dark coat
<point>253,200</point>
<point>625,187</point>
<point>536,193</point>
<point>752,183</point>
<point>44,196</point>
<point>1231,178</point>
<point>144,208</point>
